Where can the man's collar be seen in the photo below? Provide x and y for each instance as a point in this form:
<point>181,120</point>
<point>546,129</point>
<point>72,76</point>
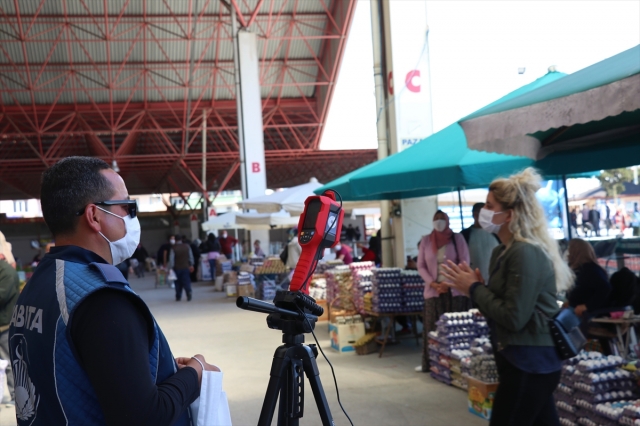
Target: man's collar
<point>75,254</point>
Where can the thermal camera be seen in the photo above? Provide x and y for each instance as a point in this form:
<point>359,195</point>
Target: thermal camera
<point>319,228</point>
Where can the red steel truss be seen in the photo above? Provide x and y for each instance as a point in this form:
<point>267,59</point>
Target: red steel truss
<point>130,81</point>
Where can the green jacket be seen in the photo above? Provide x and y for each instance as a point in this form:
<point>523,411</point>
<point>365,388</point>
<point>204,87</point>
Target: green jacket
<point>9,292</point>
<point>522,281</point>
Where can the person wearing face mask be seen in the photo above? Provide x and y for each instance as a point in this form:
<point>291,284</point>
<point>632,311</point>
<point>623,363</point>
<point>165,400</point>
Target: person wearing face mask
<point>227,243</point>
<point>85,349</point>
<point>344,253</point>
<point>481,243</point>
<point>435,249</point>
<point>525,274</point>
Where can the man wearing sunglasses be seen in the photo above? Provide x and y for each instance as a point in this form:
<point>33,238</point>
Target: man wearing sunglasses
<point>85,348</point>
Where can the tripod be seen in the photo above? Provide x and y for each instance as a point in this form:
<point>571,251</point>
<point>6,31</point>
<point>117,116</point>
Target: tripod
<point>291,362</point>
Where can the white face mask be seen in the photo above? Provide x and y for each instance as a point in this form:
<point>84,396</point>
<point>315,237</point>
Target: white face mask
<point>123,249</point>
<point>486,220</point>
<point>172,242</point>
<point>439,225</point>
<point>338,247</point>
<point>224,236</point>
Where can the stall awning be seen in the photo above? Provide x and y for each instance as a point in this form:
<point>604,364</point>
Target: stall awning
<point>589,120</point>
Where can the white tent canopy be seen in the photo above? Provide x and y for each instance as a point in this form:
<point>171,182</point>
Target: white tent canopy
<point>250,221</point>
<point>290,200</point>
<point>280,219</point>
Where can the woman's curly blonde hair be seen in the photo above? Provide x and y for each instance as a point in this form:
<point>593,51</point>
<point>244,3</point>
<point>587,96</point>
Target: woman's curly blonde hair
<point>529,224</point>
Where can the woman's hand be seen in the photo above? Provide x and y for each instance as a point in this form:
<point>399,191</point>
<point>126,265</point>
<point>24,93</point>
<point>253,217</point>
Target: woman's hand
<point>579,310</point>
<point>461,277</point>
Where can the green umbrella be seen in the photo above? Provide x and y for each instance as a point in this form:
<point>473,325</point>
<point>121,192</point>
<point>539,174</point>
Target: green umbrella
<point>589,120</point>
<point>440,163</point>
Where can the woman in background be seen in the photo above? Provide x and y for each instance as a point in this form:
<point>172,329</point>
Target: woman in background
<point>592,287</point>
<point>435,249</point>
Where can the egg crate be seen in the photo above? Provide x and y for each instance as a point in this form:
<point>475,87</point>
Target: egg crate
<point>600,364</point>
<point>584,355</point>
<point>613,385</point>
<point>567,421</point>
<point>441,378</point>
<point>612,410</point>
<point>604,376</point>
<point>559,396</point>
<point>628,421</point>
<point>595,421</point>
<point>633,409</point>
<point>600,398</point>
<point>563,406</point>
<point>567,390</point>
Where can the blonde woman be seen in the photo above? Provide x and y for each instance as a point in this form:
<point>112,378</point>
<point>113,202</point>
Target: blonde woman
<point>525,274</point>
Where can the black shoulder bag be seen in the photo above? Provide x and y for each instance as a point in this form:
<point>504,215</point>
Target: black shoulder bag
<point>565,332</point>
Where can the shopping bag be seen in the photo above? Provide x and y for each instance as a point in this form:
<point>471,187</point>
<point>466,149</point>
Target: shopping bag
<point>212,407</point>
<point>172,275</point>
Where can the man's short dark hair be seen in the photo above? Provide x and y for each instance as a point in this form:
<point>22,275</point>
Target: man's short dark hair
<point>477,207</point>
<point>67,187</point>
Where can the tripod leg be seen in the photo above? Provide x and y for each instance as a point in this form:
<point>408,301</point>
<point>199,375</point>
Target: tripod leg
<point>278,374</point>
<point>313,374</point>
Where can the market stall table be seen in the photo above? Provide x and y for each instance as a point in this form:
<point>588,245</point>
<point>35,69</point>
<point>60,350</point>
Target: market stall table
<point>625,333</point>
<point>392,320</point>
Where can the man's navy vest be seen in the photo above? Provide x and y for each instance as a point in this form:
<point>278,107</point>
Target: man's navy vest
<point>51,388</point>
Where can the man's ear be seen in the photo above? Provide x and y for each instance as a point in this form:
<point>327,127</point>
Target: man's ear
<point>92,218</point>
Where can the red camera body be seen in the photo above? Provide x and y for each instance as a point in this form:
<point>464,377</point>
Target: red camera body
<point>319,228</point>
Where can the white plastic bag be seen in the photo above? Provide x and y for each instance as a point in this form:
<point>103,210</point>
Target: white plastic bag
<point>212,407</point>
<point>172,275</point>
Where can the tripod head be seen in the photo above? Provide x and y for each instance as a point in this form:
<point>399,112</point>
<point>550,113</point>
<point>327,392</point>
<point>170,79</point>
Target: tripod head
<point>292,312</point>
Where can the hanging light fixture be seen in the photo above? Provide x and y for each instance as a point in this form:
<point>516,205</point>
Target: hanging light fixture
<point>114,166</point>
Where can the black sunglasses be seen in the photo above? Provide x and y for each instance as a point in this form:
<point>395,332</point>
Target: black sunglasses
<point>132,206</point>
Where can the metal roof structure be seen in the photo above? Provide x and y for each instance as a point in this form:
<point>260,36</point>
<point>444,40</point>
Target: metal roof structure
<point>130,81</point>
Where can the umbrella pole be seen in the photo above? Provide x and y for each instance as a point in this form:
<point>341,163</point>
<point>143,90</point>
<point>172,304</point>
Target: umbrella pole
<point>566,205</point>
<point>460,205</point>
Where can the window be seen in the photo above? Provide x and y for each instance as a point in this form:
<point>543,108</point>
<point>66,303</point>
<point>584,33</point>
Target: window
<point>20,206</point>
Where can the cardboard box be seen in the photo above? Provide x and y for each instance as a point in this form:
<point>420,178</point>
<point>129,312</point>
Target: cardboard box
<point>230,277</point>
<point>246,290</point>
<point>219,285</point>
<point>325,315</point>
<point>344,336</point>
<point>245,267</point>
<point>232,290</point>
<point>481,396</point>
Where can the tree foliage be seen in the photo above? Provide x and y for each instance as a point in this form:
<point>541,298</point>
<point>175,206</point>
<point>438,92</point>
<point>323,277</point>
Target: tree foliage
<point>613,180</point>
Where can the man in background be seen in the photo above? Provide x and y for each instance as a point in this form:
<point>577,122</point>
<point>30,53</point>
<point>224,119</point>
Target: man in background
<point>182,261</point>
<point>481,243</point>
<point>9,292</point>
<point>227,243</point>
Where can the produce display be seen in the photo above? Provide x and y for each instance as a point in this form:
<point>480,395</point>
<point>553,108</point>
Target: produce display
<point>339,282</point>
<point>450,349</point>
<point>361,276</point>
<point>271,266</point>
<point>595,391</point>
<point>412,291</point>
<point>318,287</point>
<point>387,290</point>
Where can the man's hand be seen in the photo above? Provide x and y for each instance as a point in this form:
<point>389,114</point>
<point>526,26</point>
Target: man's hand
<point>193,363</point>
<point>190,269</point>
